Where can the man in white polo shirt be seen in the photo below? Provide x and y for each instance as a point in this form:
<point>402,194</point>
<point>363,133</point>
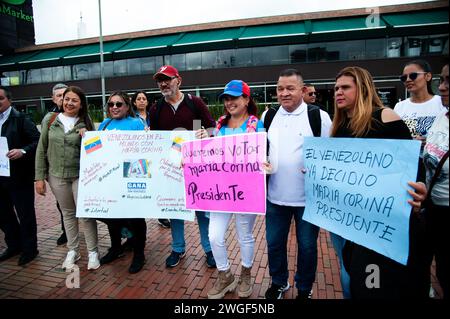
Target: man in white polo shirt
<point>287,128</point>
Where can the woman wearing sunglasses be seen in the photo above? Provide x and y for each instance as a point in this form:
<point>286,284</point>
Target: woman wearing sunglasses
<point>120,114</point>
<point>122,117</point>
<point>421,108</point>
<point>58,161</point>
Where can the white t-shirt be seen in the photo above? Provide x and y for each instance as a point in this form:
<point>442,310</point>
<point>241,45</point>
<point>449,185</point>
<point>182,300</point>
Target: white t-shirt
<point>435,148</point>
<point>67,121</point>
<point>419,116</point>
<point>286,135</point>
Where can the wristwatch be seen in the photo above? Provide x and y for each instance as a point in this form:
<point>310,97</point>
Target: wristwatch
<point>23,151</point>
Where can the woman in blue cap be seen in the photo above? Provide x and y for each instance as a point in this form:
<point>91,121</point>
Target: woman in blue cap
<point>240,117</point>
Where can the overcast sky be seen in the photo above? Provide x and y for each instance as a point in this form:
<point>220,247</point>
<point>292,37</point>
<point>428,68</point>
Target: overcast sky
<point>57,20</point>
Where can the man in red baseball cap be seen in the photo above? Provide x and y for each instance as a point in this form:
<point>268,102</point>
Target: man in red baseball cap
<point>174,111</point>
<point>167,71</point>
<point>165,75</point>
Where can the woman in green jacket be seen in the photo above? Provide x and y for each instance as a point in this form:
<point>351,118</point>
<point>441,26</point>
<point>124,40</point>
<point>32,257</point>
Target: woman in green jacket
<point>58,162</point>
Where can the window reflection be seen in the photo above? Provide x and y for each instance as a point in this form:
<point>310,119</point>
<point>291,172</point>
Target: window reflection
<point>375,48</point>
<point>297,53</point>
<point>271,55</point>
<point>178,61</point>
<point>120,67</point>
<point>243,57</point>
<point>193,61</point>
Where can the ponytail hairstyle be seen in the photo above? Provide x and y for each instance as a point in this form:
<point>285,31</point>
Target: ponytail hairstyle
<point>425,67</point>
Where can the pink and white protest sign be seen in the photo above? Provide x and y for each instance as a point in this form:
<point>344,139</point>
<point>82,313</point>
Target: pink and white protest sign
<point>225,174</point>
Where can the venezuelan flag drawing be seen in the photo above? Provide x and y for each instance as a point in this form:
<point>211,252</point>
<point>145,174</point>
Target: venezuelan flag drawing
<point>92,144</point>
<point>176,143</point>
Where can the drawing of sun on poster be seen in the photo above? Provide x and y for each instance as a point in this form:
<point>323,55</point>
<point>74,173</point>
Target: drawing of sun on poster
<point>225,174</point>
<point>357,188</point>
<point>132,174</point>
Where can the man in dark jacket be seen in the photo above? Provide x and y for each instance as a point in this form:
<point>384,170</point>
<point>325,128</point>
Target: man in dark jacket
<point>57,98</point>
<point>17,214</point>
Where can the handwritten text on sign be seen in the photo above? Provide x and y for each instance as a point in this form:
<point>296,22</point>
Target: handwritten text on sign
<point>225,173</point>
<point>4,160</point>
<point>357,188</point>
<point>132,174</point>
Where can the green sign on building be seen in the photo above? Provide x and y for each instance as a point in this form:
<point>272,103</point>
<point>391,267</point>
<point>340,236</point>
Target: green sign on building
<point>15,12</point>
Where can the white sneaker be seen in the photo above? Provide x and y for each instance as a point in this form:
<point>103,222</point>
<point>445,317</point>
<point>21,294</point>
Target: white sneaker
<point>72,257</point>
<point>93,263</point>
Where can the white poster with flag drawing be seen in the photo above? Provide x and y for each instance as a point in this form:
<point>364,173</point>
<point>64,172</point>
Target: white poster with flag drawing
<point>132,174</point>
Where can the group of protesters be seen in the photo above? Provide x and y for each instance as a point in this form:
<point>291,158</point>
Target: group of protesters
<point>52,157</point>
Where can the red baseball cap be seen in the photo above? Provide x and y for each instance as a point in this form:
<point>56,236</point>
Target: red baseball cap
<point>167,70</point>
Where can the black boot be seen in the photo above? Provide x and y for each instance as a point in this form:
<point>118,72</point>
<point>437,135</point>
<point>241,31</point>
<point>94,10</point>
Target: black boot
<point>113,254</point>
<point>62,239</point>
<point>137,263</point>
<point>165,223</point>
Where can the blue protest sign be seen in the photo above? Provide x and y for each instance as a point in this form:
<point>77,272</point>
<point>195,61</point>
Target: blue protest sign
<point>357,188</point>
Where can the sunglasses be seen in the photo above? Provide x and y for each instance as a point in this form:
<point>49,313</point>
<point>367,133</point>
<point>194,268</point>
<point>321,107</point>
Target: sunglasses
<point>117,104</point>
<point>312,93</point>
<point>165,80</point>
<point>412,76</point>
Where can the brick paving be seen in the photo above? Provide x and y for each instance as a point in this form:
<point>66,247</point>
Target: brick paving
<point>191,279</point>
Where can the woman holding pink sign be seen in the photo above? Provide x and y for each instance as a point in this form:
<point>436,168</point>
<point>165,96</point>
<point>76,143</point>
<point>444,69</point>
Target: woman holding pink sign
<point>240,117</point>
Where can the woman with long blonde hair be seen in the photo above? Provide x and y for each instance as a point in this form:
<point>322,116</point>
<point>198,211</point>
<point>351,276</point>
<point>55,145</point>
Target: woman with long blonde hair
<point>360,113</point>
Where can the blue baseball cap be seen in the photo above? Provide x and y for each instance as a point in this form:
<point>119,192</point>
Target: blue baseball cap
<point>236,88</point>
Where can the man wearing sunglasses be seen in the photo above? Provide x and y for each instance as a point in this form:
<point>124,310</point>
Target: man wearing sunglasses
<point>174,111</point>
<point>310,95</point>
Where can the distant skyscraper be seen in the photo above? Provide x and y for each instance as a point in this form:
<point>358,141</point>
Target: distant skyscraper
<point>81,28</point>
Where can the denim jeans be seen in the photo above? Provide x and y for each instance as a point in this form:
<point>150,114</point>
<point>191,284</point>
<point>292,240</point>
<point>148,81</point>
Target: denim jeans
<point>177,229</point>
<point>338,244</point>
<point>278,222</point>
